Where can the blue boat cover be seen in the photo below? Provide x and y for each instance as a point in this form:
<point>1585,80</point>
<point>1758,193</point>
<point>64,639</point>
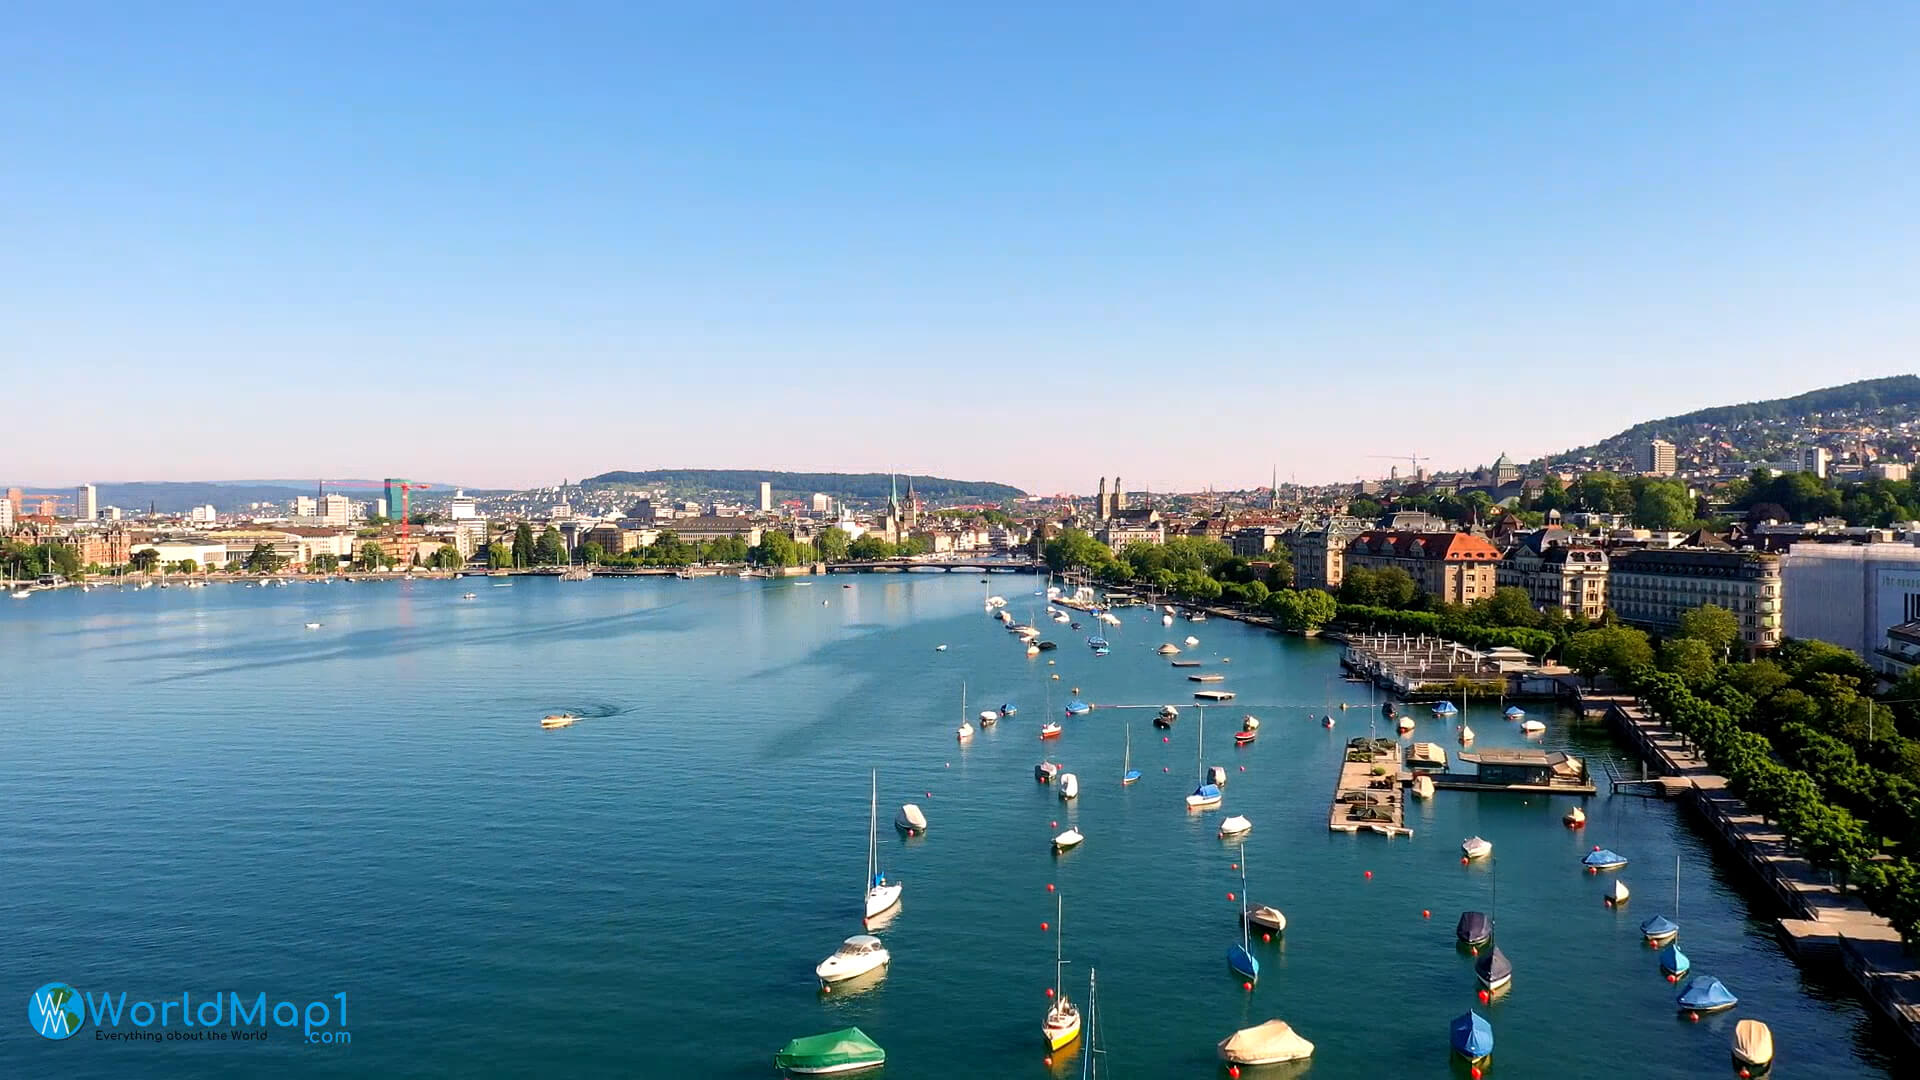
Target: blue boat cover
<point>1659,926</point>
<point>1706,992</point>
<point>1515,712</point>
<point>1243,962</point>
<point>1604,857</point>
<point>1673,961</point>
<point>1076,707</point>
<point>1471,1035</point>
<point>1445,708</point>
<point>1211,791</point>
<point>1008,709</point>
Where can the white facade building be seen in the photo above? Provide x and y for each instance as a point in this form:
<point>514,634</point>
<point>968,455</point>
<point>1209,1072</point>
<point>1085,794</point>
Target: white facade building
<point>306,506</point>
<point>1850,594</point>
<point>766,496</point>
<point>86,502</point>
<point>335,510</point>
<point>203,515</point>
<point>463,507</point>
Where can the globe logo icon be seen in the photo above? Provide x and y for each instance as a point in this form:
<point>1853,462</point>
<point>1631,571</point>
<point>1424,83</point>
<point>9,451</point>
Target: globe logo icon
<point>56,1011</point>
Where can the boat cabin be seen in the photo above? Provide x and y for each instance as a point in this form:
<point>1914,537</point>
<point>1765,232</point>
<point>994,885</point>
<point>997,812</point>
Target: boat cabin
<point>1529,767</point>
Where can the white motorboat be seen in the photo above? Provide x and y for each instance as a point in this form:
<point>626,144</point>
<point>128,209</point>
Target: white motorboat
<point>1068,839</point>
<point>1618,894</point>
<point>1237,825</point>
<point>1167,609</point>
<point>1190,641</point>
<point>1069,786</point>
<point>910,820</point>
<point>1405,724</point>
<point>1249,723</point>
<point>1531,726</point>
<point>1166,620</point>
<point>1169,649</point>
<point>1474,847</point>
<point>856,956</point>
<point>1423,786</point>
<point>1575,818</point>
<point>1046,771</point>
<point>558,720</point>
<point>964,731</point>
<point>988,718</point>
<point>1050,729</point>
<point>463,596</point>
<point>1752,1046</point>
<point>1268,918</point>
<point>994,602</point>
<point>1466,734</point>
<point>882,894</point>
<point>313,626</point>
<point>939,648</point>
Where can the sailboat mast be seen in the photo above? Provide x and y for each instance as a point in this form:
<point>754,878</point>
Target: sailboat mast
<point>1246,938</point>
<point>873,835</point>
<point>1676,888</point>
<point>1059,934</point>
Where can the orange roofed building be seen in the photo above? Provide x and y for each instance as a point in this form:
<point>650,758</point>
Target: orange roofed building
<point>1459,568</point>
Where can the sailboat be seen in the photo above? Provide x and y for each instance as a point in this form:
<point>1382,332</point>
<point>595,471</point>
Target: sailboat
<point>1063,1020</point>
<point>1659,930</point>
<point>1240,957</point>
<point>1128,774</point>
<point>1207,795</point>
<point>965,730</point>
<point>882,894</point>
<point>1090,1057</point>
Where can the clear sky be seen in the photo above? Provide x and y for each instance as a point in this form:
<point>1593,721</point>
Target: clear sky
<point>1036,243</point>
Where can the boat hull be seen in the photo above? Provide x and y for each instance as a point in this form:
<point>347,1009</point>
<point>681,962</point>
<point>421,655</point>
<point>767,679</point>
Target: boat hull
<point>882,899</point>
<point>1243,962</point>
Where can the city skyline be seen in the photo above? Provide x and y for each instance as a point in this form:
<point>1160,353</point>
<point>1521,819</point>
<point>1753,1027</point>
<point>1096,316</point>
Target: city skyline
<point>996,244</point>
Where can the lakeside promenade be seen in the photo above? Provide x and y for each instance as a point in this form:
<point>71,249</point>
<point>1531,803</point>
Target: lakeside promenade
<point>1823,923</point>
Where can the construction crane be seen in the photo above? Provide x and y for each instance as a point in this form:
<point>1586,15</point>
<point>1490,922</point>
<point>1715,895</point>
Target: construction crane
<point>1416,459</point>
<point>406,487</point>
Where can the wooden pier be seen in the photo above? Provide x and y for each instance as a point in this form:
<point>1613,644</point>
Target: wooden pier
<point>1367,796</point>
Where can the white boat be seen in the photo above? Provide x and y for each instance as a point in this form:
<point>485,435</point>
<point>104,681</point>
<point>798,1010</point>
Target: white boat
<point>855,957</point>
<point>1207,795</point>
<point>989,717</point>
<point>1062,1025</point>
<point>313,626</point>
<point>1167,609</point>
<point>1190,641</point>
<point>1423,786</point>
<point>20,594</point>
<point>1405,723</point>
<point>1473,847</point>
<point>994,602</point>
<point>463,596</point>
<point>939,648</point>
<point>1046,771</point>
<point>965,730</point>
<point>1752,1046</point>
<point>1061,616</point>
<point>1266,1044</point>
<point>1249,723</point>
<point>1466,734</point>
<point>1032,649</point>
<point>1166,620</point>
<point>1049,729</point>
<point>1069,786</point>
<point>1618,894</point>
<point>1237,825</point>
<point>1169,649</point>
<point>1531,726</point>
<point>910,820</point>
<point>882,894</point>
<point>557,720</point>
<point>1575,818</point>
<point>1067,840</point>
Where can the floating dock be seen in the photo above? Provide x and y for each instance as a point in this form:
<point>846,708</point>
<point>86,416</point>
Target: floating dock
<point>1206,678</point>
<point>1366,800</point>
<point>1529,771</point>
<point>1213,695</point>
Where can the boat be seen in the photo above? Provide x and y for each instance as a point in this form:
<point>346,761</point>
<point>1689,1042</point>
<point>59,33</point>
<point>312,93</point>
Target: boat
<point>1076,707</point>
<point>1240,957</point>
<point>1044,645</point>
<point>989,717</point>
<point>557,720</point>
<point>1166,620</point>
<point>1474,929</point>
<point>964,731</point>
<point>1097,643</point>
<point>1575,818</point>
<point>1067,840</point>
<point>939,648</point>
<point>1603,859</point>
<point>1217,775</point>
<point>1659,930</point>
<point>1045,772</point>
<point>1243,737</point>
<point>855,957</point>
<point>1327,721</point>
<point>1404,724</point>
<point>1532,727</point>
<point>1471,1037</point>
<point>1069,786</point>
<point>1270,1043</point>
<point>1237,825</point>
<point>844,1051</point>
<point>1128,774</point>
<point>1207,795</point>
<point>1752,1047</point>
<point>1494,970</point>
<point>1474,847</point>
<point>1515,712</point>
<point>1168,609</point>
<point>1191,641</point>
<point>463,596</point>
<point>1208,678</point>
<point>1249,723</point>
<point>910,820</point>
<point>1032,649</point>
<point>497,585</point>
<point>1169,649</point>
<point>882,894</point>
<point>1008,709</point>
<point>1423,786</point>
<point>1186,663</point>
<point>1618,894</point>
<point>313,626</point>
<point>1426,755</point>
<point>996,602</point>
<point>20,594</point>
<point>1445,709</point>
<point>1674,962</point>
<point>1050,729</point>
<point>1386,708</point>
<point>1196,616</point>
<point>1166,716</point>
<point>1063,1020</point>
<point>1705,994</point>
<point>1267,918</point>
<point>1466,734</point>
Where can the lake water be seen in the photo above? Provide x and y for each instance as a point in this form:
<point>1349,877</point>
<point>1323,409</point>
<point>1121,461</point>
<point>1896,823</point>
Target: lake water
<point>204,795</point>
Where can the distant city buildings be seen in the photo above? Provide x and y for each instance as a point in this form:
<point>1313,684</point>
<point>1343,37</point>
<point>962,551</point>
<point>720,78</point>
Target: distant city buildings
<point>1658,457</point>
<point>336,510</point>
<point>86,502</point>
<point>203,515</point>
<point>766,497</point>
<point>1320,552</point>
<point>1458,568</point>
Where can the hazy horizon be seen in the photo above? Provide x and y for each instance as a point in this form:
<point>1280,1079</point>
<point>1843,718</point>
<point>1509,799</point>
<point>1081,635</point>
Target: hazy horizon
<point>998,242</point>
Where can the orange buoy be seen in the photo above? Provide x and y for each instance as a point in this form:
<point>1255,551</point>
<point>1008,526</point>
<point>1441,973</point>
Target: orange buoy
<point>1425,914</point>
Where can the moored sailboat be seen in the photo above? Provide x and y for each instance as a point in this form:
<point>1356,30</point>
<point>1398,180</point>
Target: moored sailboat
<point>1240,957</point>
<point>1128,774</point>
<point>1062,1025</point>
<point>882,894</point>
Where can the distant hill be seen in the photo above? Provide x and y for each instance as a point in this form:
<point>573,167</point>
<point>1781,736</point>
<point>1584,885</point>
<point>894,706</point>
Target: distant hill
<point>1892,398</point>
<point>745,483</point>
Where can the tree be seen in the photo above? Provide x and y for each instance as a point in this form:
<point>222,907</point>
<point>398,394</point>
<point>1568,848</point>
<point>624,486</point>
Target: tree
<point>550,549</point>
<point>186,566</point>
<point>832,543</point>
<point>1075,549</point>
<point>1609,649</point>
<point>499,556</point>
<point>1689,658</point>
<point>775,549</point>
<point>264,559</point>
<point>144,560</point>
<point>447,557</point>
<point>372,556</point>
<point>1303,611</point>
<point>1601,493</point>
<point>1365,509</point>
<point>1508,606</point>
<point>1390,587</point>
<point>1553,495</point>
<point>523,545</point>
<point>592,553</point>
<point>324,564</point>
<point>1662,504</point>
<point>1714,626</point>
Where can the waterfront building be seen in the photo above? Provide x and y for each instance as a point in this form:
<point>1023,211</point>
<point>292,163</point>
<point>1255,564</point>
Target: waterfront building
<point>204,553</point>
<point>1850,594</point>
<point>1657,457</point>
<point>461,507</point>
<point>1121,535</point>
<point>709,527</point>
<point>1652,588</point>
<point>1557,572</point>
<point>86,502</point>
<point>1459,568</point>
<point>101,547</point>
<point>1258,541</point>
<point>1320,551</point>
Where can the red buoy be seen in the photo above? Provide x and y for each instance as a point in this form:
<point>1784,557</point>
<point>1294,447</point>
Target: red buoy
<point>1425,914</point>
<point>1476,950</point>
<point>1047,1061</point>
<point>1673,978</point>
<point>1043,928</point>
<point>1243,768</point>
<point>1593,869</point>
<point>1744,1074</point>
<point>1266,937</point>
<point>1233,866</point>
<point>1476,1072</point>
<point>1055,824</point>
<point>1234,1071</point>
<point>1229,896</point>
<point>1049,991</point>
<point>1369,875</point>
<point>1483,997</point>
<point>1463,860</point>
<point>1246,986</point>
<point>1695,1017</point>
<point>1049,886</point>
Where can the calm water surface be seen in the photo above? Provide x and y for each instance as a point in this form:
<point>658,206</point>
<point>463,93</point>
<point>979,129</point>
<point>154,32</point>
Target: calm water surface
<point>203,794</point>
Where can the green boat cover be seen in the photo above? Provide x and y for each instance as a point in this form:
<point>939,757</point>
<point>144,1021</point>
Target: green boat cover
<point>848,1046</point>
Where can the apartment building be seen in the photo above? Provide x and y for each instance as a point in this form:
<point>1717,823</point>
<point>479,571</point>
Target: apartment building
<point>1652,588</point>
<point>1557,572</point>
<point>1459,568</point>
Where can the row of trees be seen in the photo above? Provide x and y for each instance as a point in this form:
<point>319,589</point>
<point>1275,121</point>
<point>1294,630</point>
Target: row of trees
<point>1802,496</point>
<point>23,560</point>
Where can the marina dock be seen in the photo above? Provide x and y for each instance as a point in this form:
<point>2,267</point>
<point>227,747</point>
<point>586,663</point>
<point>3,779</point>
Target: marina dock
<point>1539,772</point>
<point>1368,796</point>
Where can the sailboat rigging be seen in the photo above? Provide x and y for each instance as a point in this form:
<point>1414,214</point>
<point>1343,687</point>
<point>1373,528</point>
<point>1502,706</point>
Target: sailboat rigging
<point>1128,773</point>
<point>882,894</point>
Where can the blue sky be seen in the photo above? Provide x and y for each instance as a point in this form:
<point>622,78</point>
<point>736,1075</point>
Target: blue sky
<point>509,244</point>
